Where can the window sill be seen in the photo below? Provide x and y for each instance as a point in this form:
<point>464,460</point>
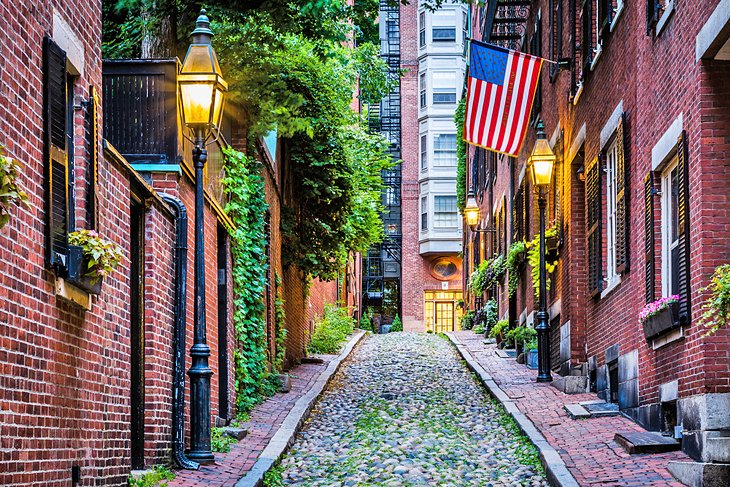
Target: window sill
<point>596,56</point>
<point>578,92</point>
<point>612,284</point>
<point>616,16</point>
<point>670,337</point>
<point>69,292</point>
<point>664,19</point>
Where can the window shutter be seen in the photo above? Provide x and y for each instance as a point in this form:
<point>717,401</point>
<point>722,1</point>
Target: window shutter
<point>586,46</point>
<point>652,15</point>
<point>56,160</point>
<point>605,9</point>
<point>91,196</point>
<point>683,230</point>
<point>622,196</point>
<point>593,213</point>
<point>649,235</point>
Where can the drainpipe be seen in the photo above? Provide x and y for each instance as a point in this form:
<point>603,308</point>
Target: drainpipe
<point>178,382</point>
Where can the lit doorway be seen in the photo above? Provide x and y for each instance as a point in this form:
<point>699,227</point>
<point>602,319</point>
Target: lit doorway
<point>442,312</point>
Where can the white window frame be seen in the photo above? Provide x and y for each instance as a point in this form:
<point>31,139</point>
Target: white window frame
<point>424,211</point>
<point>666,207</point>
<point>455,222</point>
<point>423,153</point>
<point>422,30</point>
<point>422,91</point>
<point>611,155</point>
<point>436,160</point>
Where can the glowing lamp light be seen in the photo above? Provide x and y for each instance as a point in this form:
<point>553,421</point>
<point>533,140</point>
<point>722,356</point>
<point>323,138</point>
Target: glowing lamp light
<point>471,212</point>
<point>202,87</point>
<point>541,160</point>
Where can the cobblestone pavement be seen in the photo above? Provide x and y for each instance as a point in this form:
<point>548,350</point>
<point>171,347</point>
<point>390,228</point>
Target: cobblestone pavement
<point>587,445</point>
<point>405,411</point>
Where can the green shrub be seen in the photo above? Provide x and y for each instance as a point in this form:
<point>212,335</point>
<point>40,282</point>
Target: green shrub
<point>156,477</point>
<point>397,324</point>
<point>498,328</point>
<point>366,323</point>
<point>220,442</point>
<point>479,329</point>
<point>467,321</point>
<point>331,331</point>
<point>490,314</point>
<point>716,309</point>
<point>521,335</point>
<point>532,344</point>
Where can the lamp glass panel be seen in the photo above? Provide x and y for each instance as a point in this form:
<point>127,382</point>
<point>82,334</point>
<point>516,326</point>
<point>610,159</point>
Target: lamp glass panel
<point>542,171</point>
<point>200,59</point>
<point>218,106</point>
<point>472,216</point>
<point>196,102</point>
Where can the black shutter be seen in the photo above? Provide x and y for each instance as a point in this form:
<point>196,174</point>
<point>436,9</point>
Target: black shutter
<point>604,13</point>
<point>593,225</point>
<point>623,185</point>
<point>649,235</point>
<point>586,46</point>
<point>652,15</point>
<point>56,160</point>
<point>91,195</point>
<point>683,230</point>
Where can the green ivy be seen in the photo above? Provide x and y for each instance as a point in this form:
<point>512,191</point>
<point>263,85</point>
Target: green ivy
<point>460,155</point>
<point>220,442</point>
<point>247,207</point>
<point>716,308</point>
<point>533,258</point>
<point>280,322</point>
<point>515,256</point>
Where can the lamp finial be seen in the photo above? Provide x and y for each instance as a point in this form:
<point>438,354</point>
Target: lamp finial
<point>202,33</point>
<point>540,129</point>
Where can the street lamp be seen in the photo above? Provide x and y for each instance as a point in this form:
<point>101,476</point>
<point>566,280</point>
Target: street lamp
<point>202,91</point>
<point>471,214</point>
<point>540,164</point>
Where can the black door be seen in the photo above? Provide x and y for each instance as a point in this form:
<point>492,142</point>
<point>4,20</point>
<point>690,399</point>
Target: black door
<point>136,280</point>
<point>223,323</point>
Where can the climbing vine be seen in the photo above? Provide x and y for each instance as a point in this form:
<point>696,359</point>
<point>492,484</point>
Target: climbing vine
<point>551,258</point>
<point>280,327</point>
<point>460,155</point>
<point>247,206</point>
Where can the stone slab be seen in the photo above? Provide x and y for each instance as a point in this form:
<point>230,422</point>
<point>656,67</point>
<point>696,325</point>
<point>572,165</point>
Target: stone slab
<point>294,420</point>
<point>695,474</point>
<point>645,442</point>
<point>236,433</point>
<point>312,360</point>
<point>576,411</point>
<point>506,353</point>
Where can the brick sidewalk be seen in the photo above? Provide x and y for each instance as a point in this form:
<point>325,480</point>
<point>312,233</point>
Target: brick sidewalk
<point>266,418</point>
<point>586,446</point>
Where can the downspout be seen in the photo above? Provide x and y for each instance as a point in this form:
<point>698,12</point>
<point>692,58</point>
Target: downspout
<point>178,382</point>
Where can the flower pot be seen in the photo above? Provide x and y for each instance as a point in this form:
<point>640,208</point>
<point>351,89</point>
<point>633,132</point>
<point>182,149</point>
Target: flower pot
<point>532,358</point>
<point>76,265</point>
<point>662,322</point>
<point>551,244</point>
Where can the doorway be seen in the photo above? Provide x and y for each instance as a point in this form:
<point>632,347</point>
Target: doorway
<point>442,312</point>
<point>223,399</point>
<point>137,339</point>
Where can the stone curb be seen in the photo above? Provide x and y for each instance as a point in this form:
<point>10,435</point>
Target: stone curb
<point>284,437</point>
<point>557,472</point>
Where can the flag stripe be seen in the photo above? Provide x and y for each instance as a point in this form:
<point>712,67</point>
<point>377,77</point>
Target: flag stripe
<point>500,93</point>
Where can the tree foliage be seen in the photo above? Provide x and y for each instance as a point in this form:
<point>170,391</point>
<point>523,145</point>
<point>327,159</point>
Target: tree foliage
<point>460,155</point>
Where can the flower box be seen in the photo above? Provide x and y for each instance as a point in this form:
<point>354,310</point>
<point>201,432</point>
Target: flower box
<point>663,321</point>
<point>532,358</point>
<point>76,266</point>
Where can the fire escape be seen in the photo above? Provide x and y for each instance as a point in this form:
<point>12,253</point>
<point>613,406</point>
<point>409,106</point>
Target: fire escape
<point>382,263</point>
<point>504,23</point>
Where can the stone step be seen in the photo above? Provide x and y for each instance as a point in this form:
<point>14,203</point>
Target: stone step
<point>235,433</point>
<point>576,411</point>
<point>645,442</point>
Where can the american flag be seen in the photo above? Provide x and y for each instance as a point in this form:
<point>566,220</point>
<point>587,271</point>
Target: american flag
<point>500,90</point>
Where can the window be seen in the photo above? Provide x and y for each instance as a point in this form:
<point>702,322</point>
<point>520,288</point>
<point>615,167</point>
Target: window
<point>611,191</point>
<point>422,29</point>
<point>604,14</point>
<point>58,129</point>
<point>422,78</point>
<point>670,230</point>
<point>586,45</point>
<point>444,150</point>
<point>444,87</point>
<point>536,49</point>
<point>465,28</point>
<point>424,152</point>
<point>444,212</point>
<point>657,14</point>
<point>424,213</point>
<point>444,34</point>
<point>556,35</point>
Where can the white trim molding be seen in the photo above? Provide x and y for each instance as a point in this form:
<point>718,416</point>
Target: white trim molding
<point>611,125</point>
<point>710,38</point>
<point>577,142</point>
<point>666,145</point>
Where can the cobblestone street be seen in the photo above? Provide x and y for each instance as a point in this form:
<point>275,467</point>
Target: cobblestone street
<point>404,410</point>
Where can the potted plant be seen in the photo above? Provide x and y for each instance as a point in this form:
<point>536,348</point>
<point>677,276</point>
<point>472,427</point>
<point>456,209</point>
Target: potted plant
<point>490,314</point>
<point>520,335</point>
<point>551,258</point>
<point>515,260</point>
<point>660,316</point>
<point>90,259</point>
<point>498,330</point>
<point>531,351</point>
<point>467,320</point>
<point>10,192</point>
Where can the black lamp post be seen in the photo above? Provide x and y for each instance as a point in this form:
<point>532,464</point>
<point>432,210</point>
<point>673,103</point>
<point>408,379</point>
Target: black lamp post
<point>541,164</point>
<point>202,91</point>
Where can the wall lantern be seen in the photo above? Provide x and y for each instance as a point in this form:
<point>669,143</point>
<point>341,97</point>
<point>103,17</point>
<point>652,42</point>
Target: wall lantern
<point>541,160</point>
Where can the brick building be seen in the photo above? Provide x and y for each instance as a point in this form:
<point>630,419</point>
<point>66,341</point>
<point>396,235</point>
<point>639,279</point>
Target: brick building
<point>425,50</point>
<point>639,124</point>
<point>89,377</point>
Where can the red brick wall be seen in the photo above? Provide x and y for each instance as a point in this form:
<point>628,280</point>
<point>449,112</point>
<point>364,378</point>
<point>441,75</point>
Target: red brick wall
<point>64,379</point>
